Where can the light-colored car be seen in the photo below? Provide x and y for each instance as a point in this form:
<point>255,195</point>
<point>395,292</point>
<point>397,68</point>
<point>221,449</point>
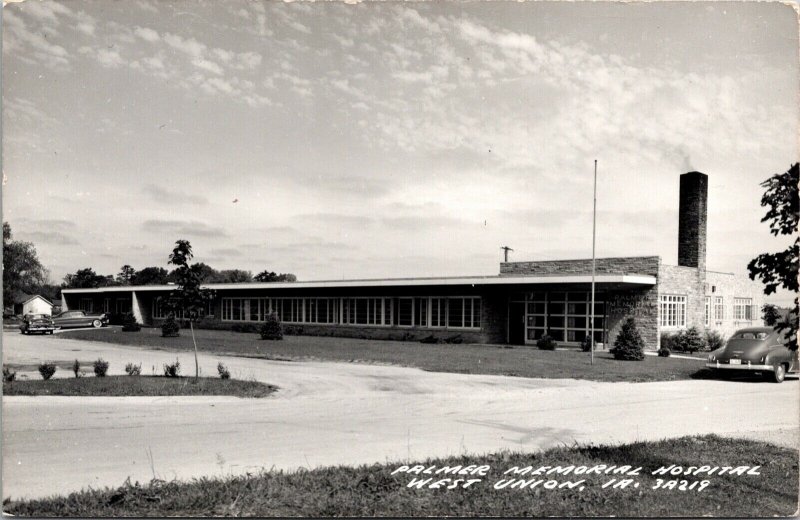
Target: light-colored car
<point>756,349</point>
<point>69,319</point>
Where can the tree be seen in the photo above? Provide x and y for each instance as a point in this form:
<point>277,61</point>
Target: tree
<point>150,276</point>
<point>235,276</point>
<point>770,314</point>
<point>87,279</point>
<point>629,344</point>
<point>188,297</point>
<point>272,276</point>
<point>781,269</point>
<point>690,340</point>
<point>126,275</point>
<point>22,270</point>
<point>271,329</point>
<point>207,273</point>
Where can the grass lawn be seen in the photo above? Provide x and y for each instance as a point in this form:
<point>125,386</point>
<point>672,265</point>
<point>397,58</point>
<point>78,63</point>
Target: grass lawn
<point>374,491</point>
<point>464,358</point>
<point>138,385</point>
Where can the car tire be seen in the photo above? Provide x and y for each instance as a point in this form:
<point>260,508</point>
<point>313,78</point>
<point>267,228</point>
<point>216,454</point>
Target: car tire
<point>97,324</point>
<point>779,374</point>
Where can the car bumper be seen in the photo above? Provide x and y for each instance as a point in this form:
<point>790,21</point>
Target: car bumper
<point>743,366</point>
<point>39,329</point>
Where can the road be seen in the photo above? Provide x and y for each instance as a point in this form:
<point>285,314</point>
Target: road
<point>344,413</point>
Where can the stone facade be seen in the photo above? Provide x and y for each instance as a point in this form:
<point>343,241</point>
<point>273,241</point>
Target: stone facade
<point>729,287</point>
<point>646,265</point>
<point>692,216</point>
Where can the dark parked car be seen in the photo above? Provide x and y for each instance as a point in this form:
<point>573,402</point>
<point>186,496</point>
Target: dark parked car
<point>68,319</point>
<point>37,323</point>
<point>756,349</point>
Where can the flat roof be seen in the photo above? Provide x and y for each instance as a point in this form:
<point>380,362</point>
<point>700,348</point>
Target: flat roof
<point>622,279</point>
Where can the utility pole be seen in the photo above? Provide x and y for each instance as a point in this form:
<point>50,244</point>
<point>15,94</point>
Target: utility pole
<point>594,222</point>
<point>506,249</point>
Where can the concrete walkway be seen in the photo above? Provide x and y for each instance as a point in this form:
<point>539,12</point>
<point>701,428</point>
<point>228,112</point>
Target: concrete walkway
<point>343,413</point>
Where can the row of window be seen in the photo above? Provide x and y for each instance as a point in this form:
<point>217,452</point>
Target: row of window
<point>564,316</point>
<point>672,310</point>
<point>121,305</point>
<point>429,312</point>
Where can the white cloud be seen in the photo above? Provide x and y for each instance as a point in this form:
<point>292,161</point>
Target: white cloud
<point>207,65</point>
<point>146,34</point>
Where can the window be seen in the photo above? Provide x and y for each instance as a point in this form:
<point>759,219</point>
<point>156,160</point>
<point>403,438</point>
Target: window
<point>87,305</point>
<point>106,305</point>
<point>366,311</point>
<point>672,310</point>
<point>719,309</point>
<point>405,312</point>
<point>421,312</point>
<point>438,312</point>
<point>743,309</point>
<point>123,305</point>
<point>708,310</point>
<point>464,313</point>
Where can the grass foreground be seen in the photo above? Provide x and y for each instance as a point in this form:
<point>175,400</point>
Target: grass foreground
<point>117,386</point>
<point>470,359</point>
<point>373,490</point>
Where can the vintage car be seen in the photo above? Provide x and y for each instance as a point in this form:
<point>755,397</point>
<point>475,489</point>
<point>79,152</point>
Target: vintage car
<point>37,323</point>
<point>756,349</point>
<point>69,319</point>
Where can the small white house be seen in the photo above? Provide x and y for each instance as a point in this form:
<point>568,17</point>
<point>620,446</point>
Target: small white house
<point>36,304</point>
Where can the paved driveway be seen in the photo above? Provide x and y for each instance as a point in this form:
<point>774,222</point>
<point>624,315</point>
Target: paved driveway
<point>344,413</point>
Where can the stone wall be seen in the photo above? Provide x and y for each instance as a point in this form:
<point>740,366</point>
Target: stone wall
<point>645,265</point>
<point>731,286</point>
<point>689,282</point>
<point>639,304</point>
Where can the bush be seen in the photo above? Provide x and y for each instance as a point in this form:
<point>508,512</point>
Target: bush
<point>47,370</point>
<point>170,328</point>
<point>629,345</point>
<point>133,370</point>
<point>129,323</point>
<point>664,352</point>
<point>271,329</point>
<point>689,340</point>
<point>116,318</point>
<point>546,342</point>
<point>668,340</point>
<point>714,340</point>
<point>223,371</point>
<point>76,368</point>
<point>172,370</point>
<point>456,340</point>
<point>429,339</point>
<point>586,344</point>
<point>100,367</point>
<point>245,327</point>
<point>8,375</point>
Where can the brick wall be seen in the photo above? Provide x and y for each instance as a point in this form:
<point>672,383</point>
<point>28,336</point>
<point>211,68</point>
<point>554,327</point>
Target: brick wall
<point>645,265</point>
<point>692,216</point>
<point>690,282</point>
<point>639,304</point>
<point>731,286</point>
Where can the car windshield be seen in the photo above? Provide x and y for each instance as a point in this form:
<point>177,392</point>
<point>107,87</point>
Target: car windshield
<point>37,317</point>
<point>751,335</point>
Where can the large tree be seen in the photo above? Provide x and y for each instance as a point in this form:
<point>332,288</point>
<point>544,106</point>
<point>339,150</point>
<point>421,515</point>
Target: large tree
<point>781,269</point>
<point>150,276</point>
<point>272,276</point>
<point>23,273</point>
<point>87,278</point>
<point>235,276</point>
<point>126,275</point>
<point>188,297</point>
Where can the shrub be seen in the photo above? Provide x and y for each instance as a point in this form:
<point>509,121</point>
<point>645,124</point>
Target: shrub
<point>456,340</point>
<point>689,340</point>
<point>76,368</point>
<point>586,344</point>
<point>668,340</point>
<point>173,369</point>
<point>170,328</point>
<point>133,370</point>
<point>245,327</point>
<point>714,340</point>
<point>47,370</point>
<point>8,375</point>
<point>116,318</point>
<point>100,367</point>
<point>271,329</point>
<point>429,339</point>
<point>629,344</point>
<point>224,373</point>
<point>129,323</point>
<point>664,352</point>
<point>546,342</point>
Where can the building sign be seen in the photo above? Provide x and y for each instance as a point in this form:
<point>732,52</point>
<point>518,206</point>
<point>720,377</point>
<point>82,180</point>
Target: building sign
<point>631,304</point>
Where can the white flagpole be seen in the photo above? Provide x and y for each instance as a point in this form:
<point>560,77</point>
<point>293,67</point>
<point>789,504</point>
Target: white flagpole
<point>594,223</point>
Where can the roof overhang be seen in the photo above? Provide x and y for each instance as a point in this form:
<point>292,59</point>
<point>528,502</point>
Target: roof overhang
<point>472,281</point>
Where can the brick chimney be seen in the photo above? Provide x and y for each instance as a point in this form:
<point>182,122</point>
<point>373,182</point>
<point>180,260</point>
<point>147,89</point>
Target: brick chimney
<point>692,213</point>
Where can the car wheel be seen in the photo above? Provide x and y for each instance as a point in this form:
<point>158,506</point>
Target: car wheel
<point>97,324</point>
<point>779,374</point>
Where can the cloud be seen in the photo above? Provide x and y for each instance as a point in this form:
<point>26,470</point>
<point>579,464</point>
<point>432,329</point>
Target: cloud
<point>178,227</point>
<point>146,34</point>
<point>165,196</point>
<point>50,238</point>
<point>226,252</point>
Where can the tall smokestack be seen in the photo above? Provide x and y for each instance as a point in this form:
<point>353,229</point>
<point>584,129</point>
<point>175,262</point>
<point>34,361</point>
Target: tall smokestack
<point>692,214</point>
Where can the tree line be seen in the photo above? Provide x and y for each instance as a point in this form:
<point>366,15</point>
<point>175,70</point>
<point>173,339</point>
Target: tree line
<point>87,278</point>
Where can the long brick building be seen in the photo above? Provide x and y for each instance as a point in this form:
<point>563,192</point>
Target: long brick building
<point>523,302</point>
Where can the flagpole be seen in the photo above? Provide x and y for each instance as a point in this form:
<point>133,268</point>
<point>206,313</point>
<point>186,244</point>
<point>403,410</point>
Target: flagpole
<point>594,223</point>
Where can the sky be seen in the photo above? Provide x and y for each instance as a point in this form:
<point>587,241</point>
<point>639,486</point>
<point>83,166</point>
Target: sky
<point>390,139</point>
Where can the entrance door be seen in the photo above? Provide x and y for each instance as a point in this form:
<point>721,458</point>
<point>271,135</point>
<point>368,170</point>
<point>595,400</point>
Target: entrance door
<point>516,323</point>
